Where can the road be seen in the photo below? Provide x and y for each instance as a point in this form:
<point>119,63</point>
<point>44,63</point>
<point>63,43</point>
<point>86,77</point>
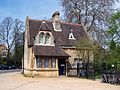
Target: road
<point>9,71</point>
<point>14,80</point>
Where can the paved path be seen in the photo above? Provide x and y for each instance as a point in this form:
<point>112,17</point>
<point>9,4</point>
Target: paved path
<point>16,81</point>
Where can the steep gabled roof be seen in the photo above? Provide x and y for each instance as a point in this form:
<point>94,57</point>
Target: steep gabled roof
<point>35,26</point>
<point>43,26</point>
<point>61,38</point>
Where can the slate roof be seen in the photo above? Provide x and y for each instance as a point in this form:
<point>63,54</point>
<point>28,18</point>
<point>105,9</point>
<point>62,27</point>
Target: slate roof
<point>61,38</point>
<point>49,51</point>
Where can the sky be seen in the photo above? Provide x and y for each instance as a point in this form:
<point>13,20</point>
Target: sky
<point>35,9</point>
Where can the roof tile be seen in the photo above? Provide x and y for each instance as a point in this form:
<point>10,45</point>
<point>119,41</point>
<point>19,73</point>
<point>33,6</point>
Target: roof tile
<point>61,38</point>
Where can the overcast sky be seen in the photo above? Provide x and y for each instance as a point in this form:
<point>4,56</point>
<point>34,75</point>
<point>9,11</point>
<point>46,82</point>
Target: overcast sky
<point>35,9</point>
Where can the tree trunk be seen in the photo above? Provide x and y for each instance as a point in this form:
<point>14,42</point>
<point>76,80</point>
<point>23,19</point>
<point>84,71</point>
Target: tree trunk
<point>8,58</point>
<point>79,18</point>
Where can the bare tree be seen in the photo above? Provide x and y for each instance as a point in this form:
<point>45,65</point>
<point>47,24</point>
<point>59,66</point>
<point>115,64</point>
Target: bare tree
<point>8,33</point>
<point>93,14</point>
<point>18,42</point>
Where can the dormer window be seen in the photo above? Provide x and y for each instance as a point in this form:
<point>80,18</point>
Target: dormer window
<point>71,36</point>
<point>44,38</point>
<point>41,38</point>
<point>47,38</point>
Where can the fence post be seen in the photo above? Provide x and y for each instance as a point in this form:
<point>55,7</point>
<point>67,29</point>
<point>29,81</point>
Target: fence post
<point>78,69</point>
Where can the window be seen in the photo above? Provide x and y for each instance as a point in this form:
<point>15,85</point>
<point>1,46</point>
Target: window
<point>77,60</point>
<point>53,63</point>
<point>3,54</point>
<point>46,63</point>
<point>41,38</point>
<point>71,36</point>
<point>47,38</point>
<point>39,62</point>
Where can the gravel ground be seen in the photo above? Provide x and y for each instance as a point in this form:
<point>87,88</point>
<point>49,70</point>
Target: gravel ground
<point>16,81</point>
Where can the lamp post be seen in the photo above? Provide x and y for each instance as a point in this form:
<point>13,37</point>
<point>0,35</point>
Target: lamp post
<point>112,65</point>
<point>113,68</point>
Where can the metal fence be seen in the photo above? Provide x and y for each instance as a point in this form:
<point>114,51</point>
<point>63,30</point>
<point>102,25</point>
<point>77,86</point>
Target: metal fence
<point>86,70</point>
<point>91,71</point>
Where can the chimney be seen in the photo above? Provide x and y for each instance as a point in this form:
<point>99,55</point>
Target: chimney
<point>55,16</point>
<point>56,21</point>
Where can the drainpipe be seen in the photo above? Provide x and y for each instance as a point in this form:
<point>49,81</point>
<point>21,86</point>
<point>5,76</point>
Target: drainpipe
<point>23,53</point>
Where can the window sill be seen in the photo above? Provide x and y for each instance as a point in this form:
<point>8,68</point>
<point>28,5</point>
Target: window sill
<point>46,44</point>
<point>46,69</point>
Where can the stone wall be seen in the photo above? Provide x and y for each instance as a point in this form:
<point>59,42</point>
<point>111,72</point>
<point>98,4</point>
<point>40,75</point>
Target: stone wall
<point>32,69</point>
<point>72,53</point>
<point>85,54</point>
<point>25,47</point>
<point>47,73</point>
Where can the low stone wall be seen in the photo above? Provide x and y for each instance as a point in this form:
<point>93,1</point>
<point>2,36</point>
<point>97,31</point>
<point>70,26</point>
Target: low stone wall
<point>41,73</point>
<point>47,73</point>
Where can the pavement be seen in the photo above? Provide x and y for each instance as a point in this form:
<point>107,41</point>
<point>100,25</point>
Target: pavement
<point>16,81</point>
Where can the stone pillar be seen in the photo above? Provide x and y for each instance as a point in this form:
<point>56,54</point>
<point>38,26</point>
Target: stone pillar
<point>66,67</point>
<point>35,66</point>
<point>56,63</point>
<point>57,67</point>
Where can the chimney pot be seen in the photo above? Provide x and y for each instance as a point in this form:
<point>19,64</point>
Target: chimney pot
<point>56,13</point>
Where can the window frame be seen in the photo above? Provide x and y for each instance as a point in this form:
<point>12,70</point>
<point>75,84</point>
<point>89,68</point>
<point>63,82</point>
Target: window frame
<point>46,64</point>
<point>41,37</point>
<point>53,62</point>
<point>39,62</point>
<point>47,38</point>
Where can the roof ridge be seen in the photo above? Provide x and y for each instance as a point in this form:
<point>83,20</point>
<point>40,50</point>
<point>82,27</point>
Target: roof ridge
<point>76,24</point>
<point>39,20</point>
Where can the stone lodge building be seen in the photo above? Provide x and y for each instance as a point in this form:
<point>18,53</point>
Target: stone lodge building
<point>49,46</point>
<point>3,51</point>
